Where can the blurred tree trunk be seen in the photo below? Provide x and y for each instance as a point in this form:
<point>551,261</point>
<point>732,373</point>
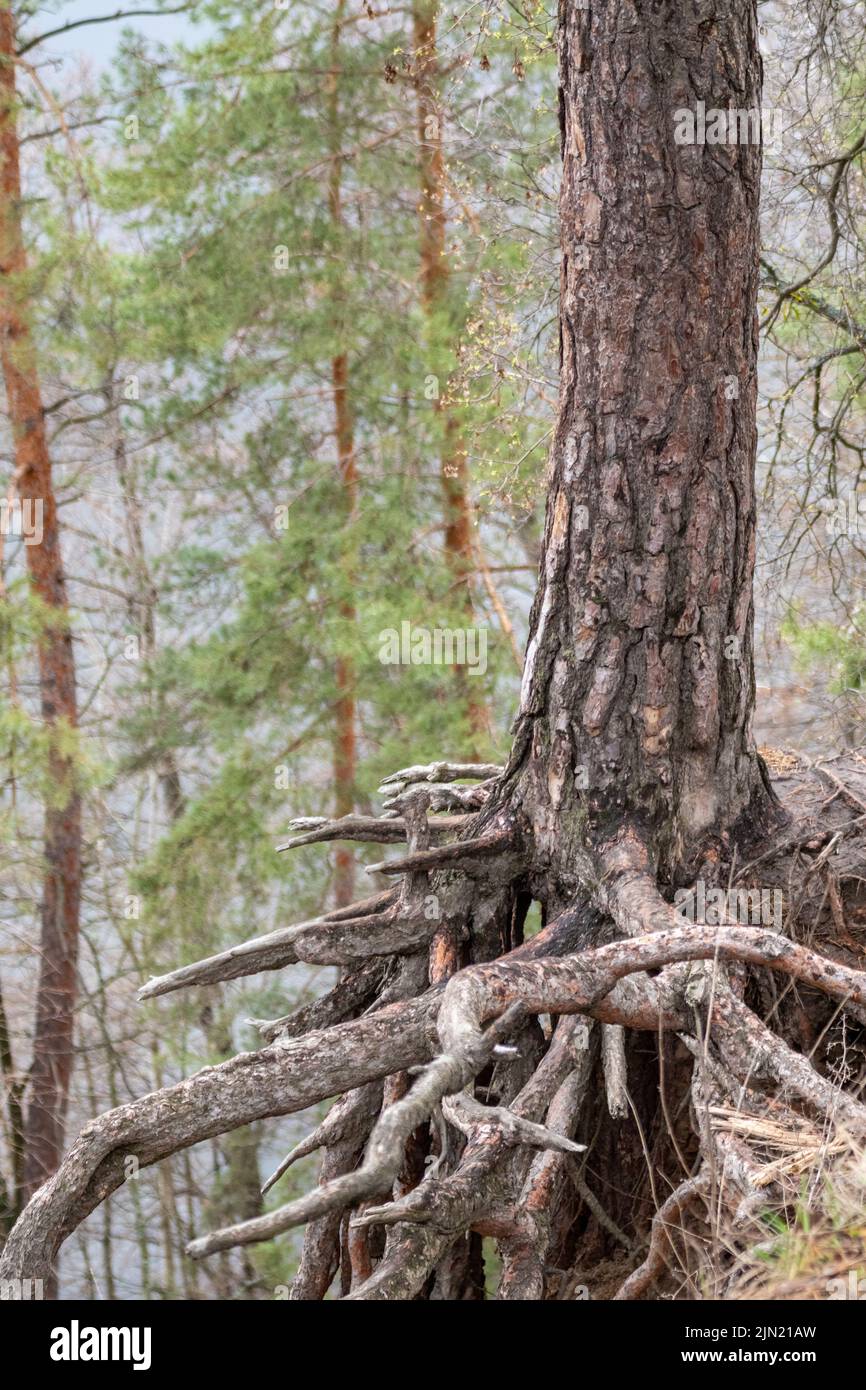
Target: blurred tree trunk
<point>235,1185</point>
<point>435,293</point>
<point>58,946</point>
<point>11,1195</point>
<point>345,713</point>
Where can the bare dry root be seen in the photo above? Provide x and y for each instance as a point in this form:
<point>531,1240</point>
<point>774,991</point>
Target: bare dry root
<point>447,1024</point>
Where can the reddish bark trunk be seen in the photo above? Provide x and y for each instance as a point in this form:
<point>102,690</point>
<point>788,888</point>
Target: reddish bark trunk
<point>435,278</point>
<point>345,713</point>
<point>58,947</point>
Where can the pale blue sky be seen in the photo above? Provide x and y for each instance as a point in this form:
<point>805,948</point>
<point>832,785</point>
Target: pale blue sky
<point>99,41</point>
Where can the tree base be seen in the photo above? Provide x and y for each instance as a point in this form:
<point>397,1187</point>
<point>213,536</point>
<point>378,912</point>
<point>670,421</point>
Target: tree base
<point>601,1099</point>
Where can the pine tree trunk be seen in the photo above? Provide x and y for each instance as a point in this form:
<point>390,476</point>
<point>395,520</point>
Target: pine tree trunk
<point>58,946</point>
<point>435,290</point>
<point>638,686</point>
<point>345,713</point>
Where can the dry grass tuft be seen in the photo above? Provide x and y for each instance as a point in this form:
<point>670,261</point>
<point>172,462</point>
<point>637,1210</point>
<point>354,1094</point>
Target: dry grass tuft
<point>810,1244</point>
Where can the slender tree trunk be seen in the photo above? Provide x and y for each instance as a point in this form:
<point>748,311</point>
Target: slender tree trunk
<point>58,947</point>
<point>143,598</point>
<point>345,713</point>
<point>237,1186</point>
<point>11,1196</point>
<point>435,292</point>
<point>108,1288</point>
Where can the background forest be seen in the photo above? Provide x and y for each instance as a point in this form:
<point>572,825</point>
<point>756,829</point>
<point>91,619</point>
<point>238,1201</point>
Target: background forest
<point>289,284</point>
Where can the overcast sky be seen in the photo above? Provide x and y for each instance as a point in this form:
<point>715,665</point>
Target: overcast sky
<point>99,41</point>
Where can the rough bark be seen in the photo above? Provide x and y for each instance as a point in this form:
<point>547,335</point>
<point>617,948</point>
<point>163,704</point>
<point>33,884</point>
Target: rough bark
<point>638,685</point>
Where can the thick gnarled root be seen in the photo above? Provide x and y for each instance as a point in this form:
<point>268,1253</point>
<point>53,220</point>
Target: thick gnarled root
<point>452,1039</point>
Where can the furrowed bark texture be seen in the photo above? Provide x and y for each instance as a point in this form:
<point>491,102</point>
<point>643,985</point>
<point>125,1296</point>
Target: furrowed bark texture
<point>638,684</point>
<point>61,892</point>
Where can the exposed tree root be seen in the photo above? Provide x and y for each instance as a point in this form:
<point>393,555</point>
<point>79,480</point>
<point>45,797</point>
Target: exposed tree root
<point>671,1211</point>
<point>455,1000</point>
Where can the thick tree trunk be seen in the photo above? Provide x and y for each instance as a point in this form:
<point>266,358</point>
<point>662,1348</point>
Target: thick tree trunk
<point>634,727</point>
<point>58,946</point>
<point>638,686</point>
